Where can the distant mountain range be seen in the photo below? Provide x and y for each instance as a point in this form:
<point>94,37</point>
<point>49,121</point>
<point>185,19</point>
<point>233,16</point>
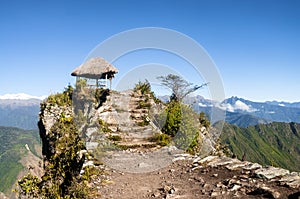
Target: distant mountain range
<point>272,111</point>
<point>19,110</point>
<point>245,113</point>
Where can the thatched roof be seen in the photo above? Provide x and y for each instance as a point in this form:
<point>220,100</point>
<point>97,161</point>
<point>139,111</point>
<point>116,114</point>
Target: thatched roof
<point>95,68</point>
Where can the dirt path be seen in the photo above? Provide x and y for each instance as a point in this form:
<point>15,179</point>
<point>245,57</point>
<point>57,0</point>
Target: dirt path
<point>182,180</point>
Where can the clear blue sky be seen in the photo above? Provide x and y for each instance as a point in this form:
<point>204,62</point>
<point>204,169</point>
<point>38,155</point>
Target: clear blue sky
<point>254,43</point>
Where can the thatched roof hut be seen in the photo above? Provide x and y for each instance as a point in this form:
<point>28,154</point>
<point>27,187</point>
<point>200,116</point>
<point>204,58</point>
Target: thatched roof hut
<point>96,68</point>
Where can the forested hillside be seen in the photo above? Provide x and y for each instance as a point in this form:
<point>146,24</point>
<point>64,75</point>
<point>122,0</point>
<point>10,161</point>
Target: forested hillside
<point>275,144</point>
<point>12,150</point>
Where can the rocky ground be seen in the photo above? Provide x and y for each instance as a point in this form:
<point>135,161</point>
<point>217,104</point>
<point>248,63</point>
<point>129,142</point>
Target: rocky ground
<point>192,177</point>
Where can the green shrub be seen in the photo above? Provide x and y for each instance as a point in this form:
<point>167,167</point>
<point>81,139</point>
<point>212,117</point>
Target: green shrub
<point>115,138</point>
<point>61,99</point>
<point>204,121</point>
<point>104,126</point>
<point>29,186</point>
<point>143,104</point>
<point>143,87</point>
<point>61,178</point>
<point>161,139</point>
<point>182,124</point>
<point>173,119</point>
<point>145,121</point>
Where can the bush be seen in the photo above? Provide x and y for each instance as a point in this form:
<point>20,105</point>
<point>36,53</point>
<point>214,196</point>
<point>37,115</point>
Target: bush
<point>161,139</point>
<point>61,99</point>
<point>104,126</point>
<point>61,178</point>
<point>143,104</point>
<point>143,87</point>
<point>204,121</point>
<point>115,138</point>
<point>173,119</point>
<point>182,125</point>
<point>29,186</point>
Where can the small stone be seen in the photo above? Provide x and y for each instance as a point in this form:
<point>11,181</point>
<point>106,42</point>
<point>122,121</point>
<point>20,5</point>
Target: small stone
<point>172,190</point>
<point>199,179</point>
<point>247,172</point>
<point>215,175</point>
<point>178,159</point>
<point>155,195</point>
<point>214,194</point>
<point>252,166</point>
<point>235,187</point>
<point>244,176</point>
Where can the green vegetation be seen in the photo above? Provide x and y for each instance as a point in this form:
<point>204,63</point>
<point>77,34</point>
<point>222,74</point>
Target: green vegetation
<point>104,126</point>
<point>144,104</point>
<point>60,99</point>
<point>161,139</point>
<point>12,149</point>
<point>203,119</point>
<point>115,138</point>
<point>144,88</point>
<point>145,121</point>
<point>173,119</point>
<point>61,178</point>
<point>63,162</point>
<point>275,144</point>
<point>180,125</point>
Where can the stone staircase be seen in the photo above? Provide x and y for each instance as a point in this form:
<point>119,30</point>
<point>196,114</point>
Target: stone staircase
<point>126,119</point>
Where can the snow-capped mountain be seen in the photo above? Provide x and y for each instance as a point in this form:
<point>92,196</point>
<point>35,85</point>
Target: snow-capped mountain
<point>21,96</point>
<point>20,110</point>
<point>244,112</point>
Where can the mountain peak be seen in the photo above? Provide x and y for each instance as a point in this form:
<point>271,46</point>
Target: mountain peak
<point>21,96</point>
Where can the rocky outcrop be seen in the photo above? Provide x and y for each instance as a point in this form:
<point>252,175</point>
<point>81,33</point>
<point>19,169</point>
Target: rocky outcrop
<point>210,177</point>
<point>49,115</point>
<point>253,179</point>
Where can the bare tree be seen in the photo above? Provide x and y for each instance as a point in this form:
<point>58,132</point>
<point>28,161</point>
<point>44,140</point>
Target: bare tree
<point>179,87</point>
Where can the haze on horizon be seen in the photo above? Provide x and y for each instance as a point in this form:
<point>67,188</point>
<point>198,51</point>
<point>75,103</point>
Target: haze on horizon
<point>254,43</point>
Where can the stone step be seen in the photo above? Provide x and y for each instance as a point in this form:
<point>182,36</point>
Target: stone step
<point>141,136</point>
<point>144,110</point>
<point>134,145</point>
